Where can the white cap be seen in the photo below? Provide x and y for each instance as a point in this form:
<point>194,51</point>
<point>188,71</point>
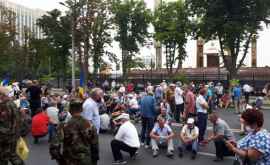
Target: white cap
<point>190,121</point>
<point>123,116</point>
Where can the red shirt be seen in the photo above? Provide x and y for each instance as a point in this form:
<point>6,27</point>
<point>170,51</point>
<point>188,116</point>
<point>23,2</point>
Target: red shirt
<point>130,88</point>
<point>40,124</point>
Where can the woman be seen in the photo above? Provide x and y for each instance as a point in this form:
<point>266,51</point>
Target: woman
<point>255,147</point>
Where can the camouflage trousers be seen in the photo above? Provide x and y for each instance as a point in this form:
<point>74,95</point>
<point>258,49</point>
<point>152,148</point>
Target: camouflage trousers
<point>8,155</point>
<point>86,161</point>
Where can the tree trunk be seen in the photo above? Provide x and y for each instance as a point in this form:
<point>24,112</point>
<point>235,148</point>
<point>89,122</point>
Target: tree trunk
<point>124,63</point>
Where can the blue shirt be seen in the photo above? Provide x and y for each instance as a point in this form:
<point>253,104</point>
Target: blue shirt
<point>147,106</point>
<point>237,93</point>
<point>259,141</point>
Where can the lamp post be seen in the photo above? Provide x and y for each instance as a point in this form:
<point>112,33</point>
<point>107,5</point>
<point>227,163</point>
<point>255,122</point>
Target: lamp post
<point>73,25</point>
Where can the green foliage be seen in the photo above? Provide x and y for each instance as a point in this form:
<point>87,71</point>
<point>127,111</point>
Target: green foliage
<point>232,22</point>
<point>131,18</point>
<point>180,77</point>
<point>172,28</point>
<point>57,29</point>
<point>234,82</point>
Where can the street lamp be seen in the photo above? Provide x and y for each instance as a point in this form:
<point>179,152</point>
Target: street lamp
<point>73,24</point>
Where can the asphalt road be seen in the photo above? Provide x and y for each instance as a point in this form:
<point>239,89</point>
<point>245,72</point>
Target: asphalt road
<point>39,153</point>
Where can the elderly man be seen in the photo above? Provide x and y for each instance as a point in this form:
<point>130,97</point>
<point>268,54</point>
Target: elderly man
<point>148,113</point>
<point>91,108</point>
<point>221,133</point>
<point>162,135</point>
<point>189,138</point>
<point>126,139</point>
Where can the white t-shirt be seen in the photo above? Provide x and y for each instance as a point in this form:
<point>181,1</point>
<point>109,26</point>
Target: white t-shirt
<point>165,131</point>
<point>178,96</point>
<point>190,133</point>
<point>128,134</point>
<point>199,101</point>
<point>247,88</point>
<point>52,113</point>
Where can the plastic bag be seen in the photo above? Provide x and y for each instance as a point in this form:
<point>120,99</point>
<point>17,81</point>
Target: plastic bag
<point>22,149</point>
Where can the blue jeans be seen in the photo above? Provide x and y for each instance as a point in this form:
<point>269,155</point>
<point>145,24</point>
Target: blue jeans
<point>202,125</point>
<point>51,131</point>
<point>193,146</point>
<point>147,126</point>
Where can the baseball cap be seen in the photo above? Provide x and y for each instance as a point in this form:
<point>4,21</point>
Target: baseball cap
<point>123,116</point>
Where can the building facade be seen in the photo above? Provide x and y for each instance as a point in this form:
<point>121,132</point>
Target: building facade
<point>25,19</point>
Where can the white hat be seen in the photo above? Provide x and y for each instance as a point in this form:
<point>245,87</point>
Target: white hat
<point>190,121</point>
<point>123,116</point>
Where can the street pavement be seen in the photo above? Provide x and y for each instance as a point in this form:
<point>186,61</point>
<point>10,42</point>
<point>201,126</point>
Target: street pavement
<point>39,154</point>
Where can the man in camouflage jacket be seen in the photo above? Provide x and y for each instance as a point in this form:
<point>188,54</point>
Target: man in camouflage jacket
<point>76,142</point>
<point>10,122</point>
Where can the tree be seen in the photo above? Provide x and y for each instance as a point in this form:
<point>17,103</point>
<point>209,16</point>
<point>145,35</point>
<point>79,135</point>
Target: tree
<point>57,29</point>
<point>131,19</point>
<point>233,23</point>
<point>172,27</point>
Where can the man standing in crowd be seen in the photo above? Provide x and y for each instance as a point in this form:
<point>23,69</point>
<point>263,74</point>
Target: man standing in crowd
<point>189,138</point>
<point>237,95</point>
<point>202,107</point>
<point>34,94</point>
<point>91,108</point>
<point>219,89</point>
<point>179,102</point>
<point>189,102</point>
<point>247,91</point>
<point>52,112</point>
<point>10,122</point>
<point>158,94</point>
<point>126,139</point>
<point>148,113</point>
<point>162,135</point>
<point>221,134</point>
<point>170,98</point>
<point>78,139</point>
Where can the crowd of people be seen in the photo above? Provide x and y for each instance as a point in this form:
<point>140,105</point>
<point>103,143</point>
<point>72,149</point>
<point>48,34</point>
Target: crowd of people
<point>74,121</point>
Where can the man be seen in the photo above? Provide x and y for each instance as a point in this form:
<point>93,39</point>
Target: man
<point>78,139</point>
<point>237,95</point>
<point>219,89</point>
<point>10,122</point>
<point>158,93</point>
<point>126,139</point>
<point>162,135</point>
<point>179,102</point>
<point>189,138</point>
<point>39,125</point>
<point>221,133</point>
<point>34,92</point>
<point>91,108</point>
<point>247,91</point>
<point>202,107</point>
<point>170,97</point>
<point>52,112</point>
<point>148,113</point>
<point>189,102</point>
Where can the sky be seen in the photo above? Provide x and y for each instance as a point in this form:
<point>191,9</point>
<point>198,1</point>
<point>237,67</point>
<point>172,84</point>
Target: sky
<point>263,48</point>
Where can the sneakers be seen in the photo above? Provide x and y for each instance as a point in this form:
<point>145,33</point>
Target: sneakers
<point>119,162</point>
<point>170,154</point>
<point>155,153</point>
<point>146,146</point>
<point>133,157</point>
